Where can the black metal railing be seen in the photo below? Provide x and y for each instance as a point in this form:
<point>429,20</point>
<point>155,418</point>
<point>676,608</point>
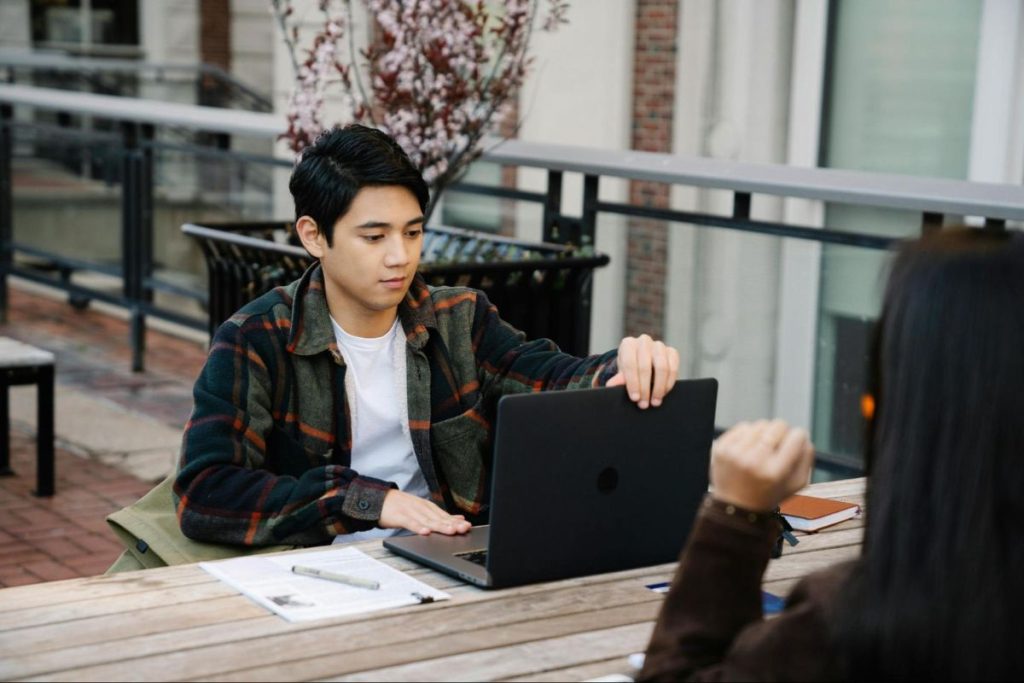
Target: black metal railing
<point>542,289</point>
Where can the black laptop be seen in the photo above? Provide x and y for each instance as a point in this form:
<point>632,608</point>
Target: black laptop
<point>584,482</point>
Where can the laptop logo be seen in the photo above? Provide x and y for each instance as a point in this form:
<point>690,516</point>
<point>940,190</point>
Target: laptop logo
<point>607,480</point>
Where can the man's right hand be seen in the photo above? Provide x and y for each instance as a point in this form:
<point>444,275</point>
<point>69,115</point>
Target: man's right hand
<point>405,511</point>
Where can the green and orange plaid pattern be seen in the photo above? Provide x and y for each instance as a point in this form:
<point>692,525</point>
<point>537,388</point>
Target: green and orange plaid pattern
<point>266,450</point>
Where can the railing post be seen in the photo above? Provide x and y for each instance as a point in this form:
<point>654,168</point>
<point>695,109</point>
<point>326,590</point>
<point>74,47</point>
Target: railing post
<point>553,208</point>
<point>931,222</point>
<point>741,206</point>
<point>995,224</point>
<point>137,232</point>
<point>6,202</point>
<point>588,222</point>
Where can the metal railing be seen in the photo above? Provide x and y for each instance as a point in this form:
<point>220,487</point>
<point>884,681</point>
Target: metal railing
<point>212,85</point>
<point>137,123</point>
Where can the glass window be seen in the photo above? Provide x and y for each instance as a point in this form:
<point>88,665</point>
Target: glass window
<point>899,96</point>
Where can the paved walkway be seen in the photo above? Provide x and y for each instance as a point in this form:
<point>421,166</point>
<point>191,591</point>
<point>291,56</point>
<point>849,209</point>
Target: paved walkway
<point>117,433</point>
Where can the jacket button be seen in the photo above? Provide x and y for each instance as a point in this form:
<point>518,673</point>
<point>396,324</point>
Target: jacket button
<point>364,505</point>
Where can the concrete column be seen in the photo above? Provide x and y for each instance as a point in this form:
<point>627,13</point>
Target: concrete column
<point>722,303</point>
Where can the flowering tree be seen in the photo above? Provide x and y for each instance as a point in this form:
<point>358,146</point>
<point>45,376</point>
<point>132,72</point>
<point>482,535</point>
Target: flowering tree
<point>437,76</point>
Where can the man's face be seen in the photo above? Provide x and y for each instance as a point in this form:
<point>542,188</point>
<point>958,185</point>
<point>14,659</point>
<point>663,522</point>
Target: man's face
<point>372,259</point>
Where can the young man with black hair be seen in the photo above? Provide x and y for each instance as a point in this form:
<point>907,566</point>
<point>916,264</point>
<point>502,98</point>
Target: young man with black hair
<point>358,401</point>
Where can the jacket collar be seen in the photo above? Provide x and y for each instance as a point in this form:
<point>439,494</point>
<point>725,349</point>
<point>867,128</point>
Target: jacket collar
<point>311,332</point>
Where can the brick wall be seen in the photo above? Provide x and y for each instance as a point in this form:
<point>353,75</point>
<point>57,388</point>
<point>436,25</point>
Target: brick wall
<point>215,36</point>
<point>654,77</point>
<point>509,174</point>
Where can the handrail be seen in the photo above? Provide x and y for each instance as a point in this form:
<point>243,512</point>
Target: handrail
<point>890,190</point>
<point>938,195</point>
<point>195,117</point>
<point>60,62</point>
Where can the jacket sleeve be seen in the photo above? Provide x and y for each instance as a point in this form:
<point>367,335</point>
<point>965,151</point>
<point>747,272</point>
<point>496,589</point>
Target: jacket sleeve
<point>225,492</point>
<point>511,364</point>
<point>711,626</point>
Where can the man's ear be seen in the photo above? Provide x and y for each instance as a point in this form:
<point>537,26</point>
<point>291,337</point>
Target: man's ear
<point>310,236</point>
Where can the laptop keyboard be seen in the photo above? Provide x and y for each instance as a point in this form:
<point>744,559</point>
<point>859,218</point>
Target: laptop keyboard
<point>475,556</point>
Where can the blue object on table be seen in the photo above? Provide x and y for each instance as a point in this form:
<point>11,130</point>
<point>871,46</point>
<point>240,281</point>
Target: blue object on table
<point>770,603</point>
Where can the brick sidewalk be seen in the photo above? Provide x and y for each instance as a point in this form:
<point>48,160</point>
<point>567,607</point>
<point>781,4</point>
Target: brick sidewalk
<point>63,537</point>
<point>46,539</point>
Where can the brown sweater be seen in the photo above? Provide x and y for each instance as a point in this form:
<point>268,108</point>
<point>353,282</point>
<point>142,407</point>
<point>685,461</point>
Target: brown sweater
<point>711,627</point>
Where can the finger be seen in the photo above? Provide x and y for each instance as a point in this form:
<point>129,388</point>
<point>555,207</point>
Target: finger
<point>673,368</point>
<point>643,366</point>
<point>617,380</point>
<point>627,367</point>
<point>437,519</point>
<point>659,365</point>
<point>731,435</point>
<point>774,432</point>
<point>791,465</point>
<point>749,439</point>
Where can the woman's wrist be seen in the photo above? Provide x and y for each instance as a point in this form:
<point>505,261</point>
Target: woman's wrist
<point>740,505</point>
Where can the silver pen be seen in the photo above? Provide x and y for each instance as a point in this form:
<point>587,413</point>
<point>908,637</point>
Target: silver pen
<point>335,576</point>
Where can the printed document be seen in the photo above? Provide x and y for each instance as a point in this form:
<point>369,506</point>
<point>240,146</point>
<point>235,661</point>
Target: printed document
<point>269,580</point>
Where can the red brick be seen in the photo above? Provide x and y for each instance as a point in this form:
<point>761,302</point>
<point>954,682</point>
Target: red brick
<point>95,543</point>
<point>21,557</point>
<point>22,578</point>
<point>59,548</point>
<point>92,565</point>
<point>50,570</point>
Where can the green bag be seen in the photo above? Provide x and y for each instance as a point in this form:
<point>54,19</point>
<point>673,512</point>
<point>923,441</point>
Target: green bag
<point>152,537</point>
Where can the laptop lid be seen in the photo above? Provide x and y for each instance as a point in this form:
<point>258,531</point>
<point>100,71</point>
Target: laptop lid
<point>584,482</point>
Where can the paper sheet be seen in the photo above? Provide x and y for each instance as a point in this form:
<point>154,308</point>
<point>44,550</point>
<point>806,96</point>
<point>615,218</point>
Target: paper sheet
<point>270,582</point>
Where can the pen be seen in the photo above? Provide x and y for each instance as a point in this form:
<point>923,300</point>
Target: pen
<point>335,576</point>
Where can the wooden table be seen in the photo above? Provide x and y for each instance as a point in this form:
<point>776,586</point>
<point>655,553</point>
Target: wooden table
<point>181,623</point>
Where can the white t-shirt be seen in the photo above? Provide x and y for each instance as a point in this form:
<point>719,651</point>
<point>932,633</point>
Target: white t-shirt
<point>378,407</point>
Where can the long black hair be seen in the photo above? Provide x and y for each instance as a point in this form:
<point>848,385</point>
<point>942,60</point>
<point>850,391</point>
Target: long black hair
<point>938,592</point>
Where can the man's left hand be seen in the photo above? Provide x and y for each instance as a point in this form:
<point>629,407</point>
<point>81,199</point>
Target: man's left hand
<point>647,368</point>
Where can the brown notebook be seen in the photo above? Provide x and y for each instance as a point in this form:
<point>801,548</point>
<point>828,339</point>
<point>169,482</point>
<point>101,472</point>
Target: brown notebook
<point>809,513</point>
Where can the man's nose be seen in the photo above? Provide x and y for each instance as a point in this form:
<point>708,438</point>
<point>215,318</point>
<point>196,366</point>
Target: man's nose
<point>395,254</point>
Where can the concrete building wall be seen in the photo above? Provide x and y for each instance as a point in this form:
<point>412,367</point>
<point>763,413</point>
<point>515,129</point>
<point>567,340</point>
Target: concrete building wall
<point>252,34</point>
<point>732,102</point>
<point>14,25</point>
<point>578,93</point>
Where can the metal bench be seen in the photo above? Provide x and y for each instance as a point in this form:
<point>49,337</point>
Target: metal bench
<point>21,364</point>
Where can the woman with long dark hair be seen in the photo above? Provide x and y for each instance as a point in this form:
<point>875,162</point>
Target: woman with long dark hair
<point>938,591</point>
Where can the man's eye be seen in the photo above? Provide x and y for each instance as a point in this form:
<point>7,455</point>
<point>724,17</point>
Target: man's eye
<point>413,234</point>
<point>373,238</point>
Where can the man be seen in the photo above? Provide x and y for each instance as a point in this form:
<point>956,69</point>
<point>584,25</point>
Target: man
<point>357,401</point>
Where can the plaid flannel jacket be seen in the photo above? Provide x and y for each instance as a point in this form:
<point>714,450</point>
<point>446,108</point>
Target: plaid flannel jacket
<point>266,451</point>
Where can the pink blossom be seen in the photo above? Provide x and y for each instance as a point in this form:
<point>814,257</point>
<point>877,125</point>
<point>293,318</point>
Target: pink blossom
<point>438,77</point>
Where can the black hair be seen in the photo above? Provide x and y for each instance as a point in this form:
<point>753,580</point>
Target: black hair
<point>342,161</point>
<point>939,588</point>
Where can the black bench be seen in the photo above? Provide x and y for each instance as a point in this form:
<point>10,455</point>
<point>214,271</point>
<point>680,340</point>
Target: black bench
<point>21,364</point>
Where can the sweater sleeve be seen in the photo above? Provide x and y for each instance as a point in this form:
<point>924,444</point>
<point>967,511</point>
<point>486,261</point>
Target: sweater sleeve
<point>711,625</point>
<point>225,490</point>
<point>511,364</point>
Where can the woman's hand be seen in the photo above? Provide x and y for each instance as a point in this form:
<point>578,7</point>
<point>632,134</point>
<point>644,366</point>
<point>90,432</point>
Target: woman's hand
<point>757,465</point>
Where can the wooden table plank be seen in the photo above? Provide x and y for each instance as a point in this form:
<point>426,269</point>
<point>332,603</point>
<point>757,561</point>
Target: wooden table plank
<point>440,652</point>
<point>582,672</point>
<point>82,609</point>
<point>518,660</point>
<point>122,626</point>
<point>207,651</point>
<point>117,585</point>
